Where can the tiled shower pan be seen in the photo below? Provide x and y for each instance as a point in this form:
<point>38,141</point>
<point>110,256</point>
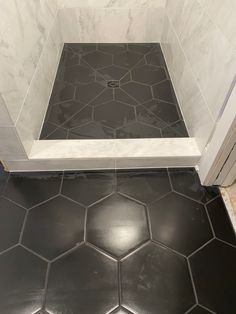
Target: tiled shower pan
<point>107,91</point>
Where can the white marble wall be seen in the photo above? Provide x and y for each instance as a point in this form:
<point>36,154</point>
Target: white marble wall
<point>201,61</point>
<point>108,21</point>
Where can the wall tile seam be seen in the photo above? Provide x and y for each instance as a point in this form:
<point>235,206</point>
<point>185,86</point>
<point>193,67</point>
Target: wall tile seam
<point>3,104</point>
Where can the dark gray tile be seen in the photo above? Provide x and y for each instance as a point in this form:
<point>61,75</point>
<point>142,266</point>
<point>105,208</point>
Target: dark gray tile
<point>91,130</point>
<point>86,93</point>
<point>121,310</point>
<point>155,58</point>
<point>114,114</point>
<point>144,185</point>
<point>164,91</point>
<point>69,57</point>
<point>220,220</point>
<point>50,131</point>
<point>54,227</point>
<point>82,49</point>
<point>113,72</point>
<point>98,59</point>
<point>82,117</point>
<point>186,181</point>
<point>179,223</point>
<point>22,282</point>
<point>154,280</point>
<point>31,188</point>
<point>137,130</point>
<point>140,92</point>
<point>3,178</point>
<point>84,281</point>
<point>11,220</point>
<point>147,117</point>
<point>78,74</point>
<point>199,310</point>
<point>127,59</point>
<point>126,78</point>
<point>88,187</point>
<point>61,92</point>
<point>213,269</point>
<point>120,95</point>
<point>142,48</point>
<point>112,48</point>
<point>177,129</point>
<point>105,96</point>
<point>148,74</point>
<point>117,225</point>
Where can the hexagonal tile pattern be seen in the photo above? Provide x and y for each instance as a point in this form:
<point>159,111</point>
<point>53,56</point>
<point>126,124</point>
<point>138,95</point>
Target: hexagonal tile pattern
<point>11,220</point>
<point>174,218</point>
<point>114,114</point>
<point>199,310</point>
<point>186,181</point>
<point>117,225</point>
<point>121,310</point>
<point>31,188</point>
<point>88,187</point>
<point>214,276</point>
<point>82,117</point>
<point>144,185</point>
<point>95,74</point>
<point>155,280</point>
<point>85,281</point>
<point>54,227</point>
<point>22,281</point>
<point>98,59</point>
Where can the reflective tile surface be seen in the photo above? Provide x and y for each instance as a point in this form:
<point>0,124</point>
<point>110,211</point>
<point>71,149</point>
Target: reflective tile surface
<point>112,91</point>
<point>114,242</point>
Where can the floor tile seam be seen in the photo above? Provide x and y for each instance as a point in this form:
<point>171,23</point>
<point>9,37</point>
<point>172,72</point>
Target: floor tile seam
<point>67,252</point>
<point>101,199</point>
<point>192,254</point>
<point>43,202</point>
<point>134,251</point>
<point>192,282</point>
<point>207,309</point>
<point>209,220</point>
<point>73,201</point>
<point>190,309</point>
<point>20,239</point>
<point>85,224</point>
<point>148,125</point>
<point>13,202</point>
<point>168,248</point>
<point>188,197</point>
<point>51,133</point>
<point>93,69</point>
<point>24,246</point>
<point>176,131</point>
<point>121,87</point>
<point>108,101</point>
<point>9,249</point>
<point>159,198</point>
<point>131,198</point>
<point>45,289</point>
<point>213,199</point>
<point>149,223</point>
<point>119,282</point>
<point>123,77</point>
<point>109,255</point>
<point>226,242</point>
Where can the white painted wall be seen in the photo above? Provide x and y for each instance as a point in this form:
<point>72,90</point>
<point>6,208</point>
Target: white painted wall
<point>199,46</point>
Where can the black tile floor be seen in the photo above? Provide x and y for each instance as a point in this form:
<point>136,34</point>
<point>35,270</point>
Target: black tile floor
<point>106,91</point>
<point>114,242</point>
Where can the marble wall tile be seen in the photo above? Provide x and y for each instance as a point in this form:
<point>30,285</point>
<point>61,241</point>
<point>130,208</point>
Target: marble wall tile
<point>5,118</point>
<point>10,145</point>
<point>114,3</point>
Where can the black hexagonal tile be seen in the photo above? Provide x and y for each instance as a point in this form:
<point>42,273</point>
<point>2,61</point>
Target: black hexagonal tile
<point>11,220</point>
<point>88,187</point>
<point>164,91</point>
<point>112,48</point>
<point>51,131</point>
<point>154,280</point>
<point>61,112</point>
<point>91,130</point>
<point>147,117</point>
<point>177,129</point>
<point>117,225</point>
<point>78,74</point>
<point>113,72</point>
<point>137,130</point>
<point>148,74</point>
<point>163,110</point>
<point>186,181</point>
<point>127,59</point>
<point>213,269</point>
<point>85,281</point>
<point>22,281</point>
<point>82,117</point>
<point>220,220</point>
<point>31,188</point>
<point>140,92</point>
<point>144,185</point>
<point>199,310</point>
<point>3,178</point>
<point>114,114</point>
<point>54,227</point>
<point>98,59</point>
<point>179,223</point>
<point>61,91</point>
<point>121,310</point>
<point>105,96</point>
<point>88,92</point>
<point>121,96</point>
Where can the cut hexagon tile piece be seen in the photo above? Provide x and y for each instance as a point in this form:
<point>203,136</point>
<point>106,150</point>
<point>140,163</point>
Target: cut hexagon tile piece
<point>113,72</point>
<point>50,131</point>
<point>186,181</point>
<point>220,220</point>
<point>69,57</point>
<point>61,92</point>
<point>98,59</point>
<point>105,96</point>
<point>79,74</point>
<point>163,110</point>
<point>61,112</point>
<point>155,280</point>
<point>88,187</point>
<point>82,117</point>
<point>112,48</point>
<point>179,223</point>
<point>213,270</point>
<point>114,114</point>
<point>54,227</point>
<point>141,48</point>
<point>148,74</point>
<point>11,220</point>
<point>127,59</point>
<point>82,49</point>
<point>155,58</point>
<point>140,92</point>
<point>90,131</point>
<point>137,130</point>
<point>199,310</point>
<point>120,95</point>
<point>22,281</point>
<point>85,281</point>
<point>31,188</point>
<point>177,129</point>
<point>164,91</point>
<point>117,225</point>
<point>86,93</point>
<point>144,185</point>
<point>147,117</point>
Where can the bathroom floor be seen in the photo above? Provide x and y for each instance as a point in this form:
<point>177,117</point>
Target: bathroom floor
<point>114,242</point>
<point>106,91</point>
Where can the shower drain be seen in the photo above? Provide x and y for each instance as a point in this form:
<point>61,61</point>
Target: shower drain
<point>113,84</point>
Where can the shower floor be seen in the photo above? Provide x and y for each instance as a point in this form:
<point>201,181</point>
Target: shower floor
<point>105,91</point>
<point>114,242</point>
